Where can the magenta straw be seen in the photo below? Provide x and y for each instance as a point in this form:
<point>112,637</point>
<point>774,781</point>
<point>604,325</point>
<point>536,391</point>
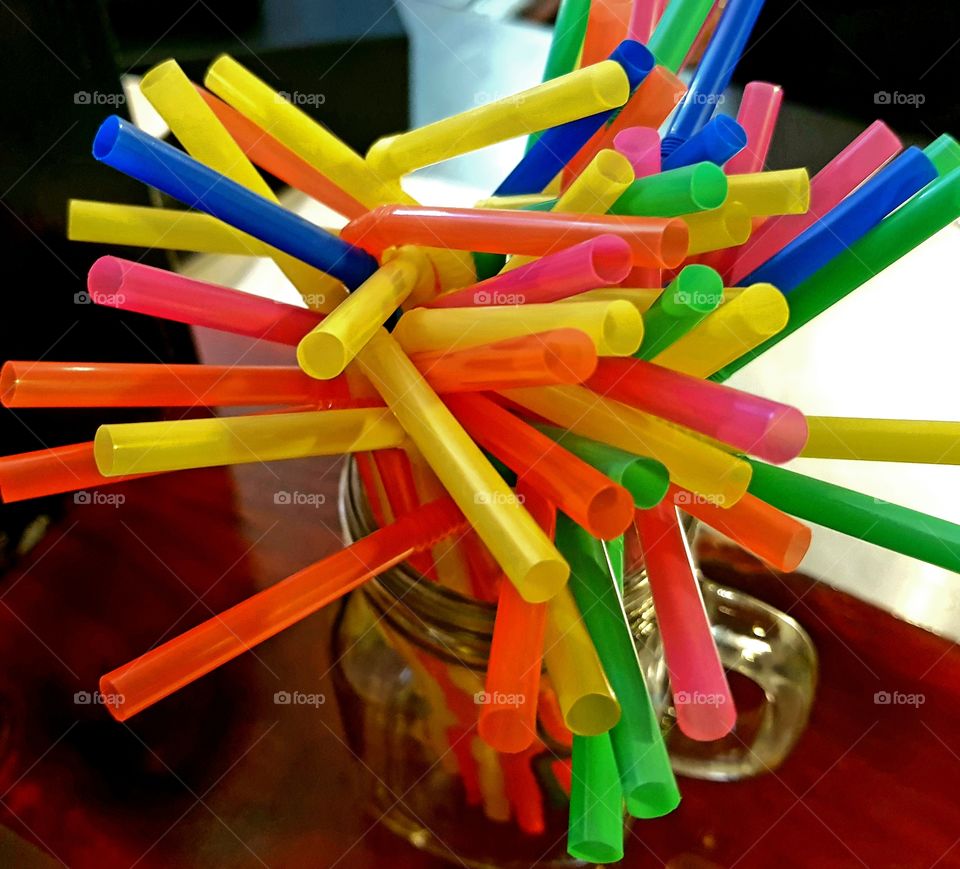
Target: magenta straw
<point>701,695</point>
<point>131,286</point>
<point>871,150</point>
<point>599,262</point>
<point>755,425</point>
<point>757,115</point>
<point>644,18</point>
<point>641,146</point>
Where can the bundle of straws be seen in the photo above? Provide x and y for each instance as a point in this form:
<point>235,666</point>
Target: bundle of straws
<point>522,382</point>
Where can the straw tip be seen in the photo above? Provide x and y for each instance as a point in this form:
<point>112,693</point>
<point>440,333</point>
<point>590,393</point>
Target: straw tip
<point>706,722</point>
<point>322,355</point>
<point>106,137</point>
<point>542,580</point>
<point>653,799</point>
<point>105,276</point>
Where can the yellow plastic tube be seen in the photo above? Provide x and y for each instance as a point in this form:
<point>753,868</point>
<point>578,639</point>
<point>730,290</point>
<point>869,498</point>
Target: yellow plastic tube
<point>593,191</point>
<point>924,441</point>
<point>755,314</point>
<point>639,297</point>
<point>586,91</point>
<point>174,445</point>
<point>173,229</point>
<point>587,701</point>
<point>328,349</point>
<point>520,200</point>
<point>615,327</point>
<point>714,230</point>
<point>202,135</point>
<point>766,193</point>
<point>707,470</point>
<point>520,547</point>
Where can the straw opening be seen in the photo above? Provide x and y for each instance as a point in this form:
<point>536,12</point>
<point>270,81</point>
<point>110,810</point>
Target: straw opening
<point>738,225</point>
<point>105,276</point>
<point>592,714</point>
<point>106,138</point>
<point>621,329</point>
<point>544,579</point>
<point>103,450</point>
<point>9,379</point>
<point>610,512</point>
<point>674,242</point>
<point>611,259</point>
<point>613,167</point>
<point>708,186</point>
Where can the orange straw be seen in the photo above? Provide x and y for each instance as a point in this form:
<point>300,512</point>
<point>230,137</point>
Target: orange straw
<point>775,537</point>
<point>607,25</point>
<point>180,661</point>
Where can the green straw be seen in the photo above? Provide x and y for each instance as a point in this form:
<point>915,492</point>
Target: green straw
<point>891,526</point>
<point>488,264</point>
<point>678,28</point>
<point>944,153</point>
<point>646,479</point>
<point>933,208</point>
<point>698,187</point>
<point>688,298</point>
<point>644,766</point>
<point>616,552</point>
<point>595,834</point>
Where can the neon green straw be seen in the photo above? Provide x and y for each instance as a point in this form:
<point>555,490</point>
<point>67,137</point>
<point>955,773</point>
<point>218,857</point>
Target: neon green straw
<point>646,479</point>
<point>644,767</point>
<point>698,187</point>
<point>891,526</point>
<point>688,298</point>
<point>933,208</point>
<point>595,833</point>
<point>678,28</point>
<point>944,152</point>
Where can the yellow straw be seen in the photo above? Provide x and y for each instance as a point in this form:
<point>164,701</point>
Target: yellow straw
<point>173,445</point>
<point>883,440</point>
<point>718,229</point>
<point>756,313</point>
<point>768,193</point>
<point>521,548</point>
<point>615,327</point>
<point>566,98</point>
<point>640,298</point>
<point>693,464</point>
<point>587,701</point>
<point>521,200</point>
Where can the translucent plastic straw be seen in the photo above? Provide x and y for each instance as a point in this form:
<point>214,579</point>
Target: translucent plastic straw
<point>606,27</point>
<point>715,230</point>
<point>649,106</point>
<point>923,216</point>
<point>508,716</point>
<point>587,701</point>
<point>758,113</point>
<point>769,534</point>
<point>849,221</point>
<point>768,429</point>
<point>882,440</point>
<point>125,384</point>
<point>567,40</point>
<point>131,286</point>
<point>540,359</point>
<point>713,72</point>
<point>595,833</point>
<point>891,526</point>
<point>51,472</point>
<point>598,262</point>
<point>645,479</point>
<point>692,463</point>
<point>271,156</point>
<point>121,145</point>
<point>691,295</point>
<point>786,191</point>
<point>332,344</point>
<point>653,241</point>
<point>648,784</point>
<point>174,445</point>
<point>184,659</point>
<point>853,165</point>
<point>719,141</point>
<point>701,695</point>
<point>582,492</point>
<point>699,187</point>
<point>678,28</point>
<point>515,540</point>
<point>641,146</point>
<point>554,147</point>
<point>644,18</point>
<point>731,331</point>
<point>616,328</point>
<point>595,88</point>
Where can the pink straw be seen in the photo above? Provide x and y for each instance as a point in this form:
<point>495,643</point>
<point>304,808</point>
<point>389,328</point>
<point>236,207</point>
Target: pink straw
<point>841,176</point>
<point>644,19</point>
<point>757,115</point>
<point>768,429</point>
<point>130,286</point>
<point>641,146</point>
<point>599,262</point>
<point>701,695</point>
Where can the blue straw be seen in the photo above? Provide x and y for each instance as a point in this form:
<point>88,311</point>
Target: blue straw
<point>848,222</point>
<point>713,72</point>
<point>558,145</point>
<point>121,145</point>
<point>717,142</point>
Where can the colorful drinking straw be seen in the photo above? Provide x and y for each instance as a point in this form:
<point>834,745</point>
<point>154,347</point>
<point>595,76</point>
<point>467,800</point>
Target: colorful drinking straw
<point>699,187</point>
<point>882,440</point>
<point>717,142</point>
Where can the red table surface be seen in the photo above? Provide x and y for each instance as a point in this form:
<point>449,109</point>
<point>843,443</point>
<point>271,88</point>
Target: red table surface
<point>219,775</point>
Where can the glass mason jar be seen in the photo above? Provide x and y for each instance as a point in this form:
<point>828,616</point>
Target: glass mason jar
<point>411,658</point>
